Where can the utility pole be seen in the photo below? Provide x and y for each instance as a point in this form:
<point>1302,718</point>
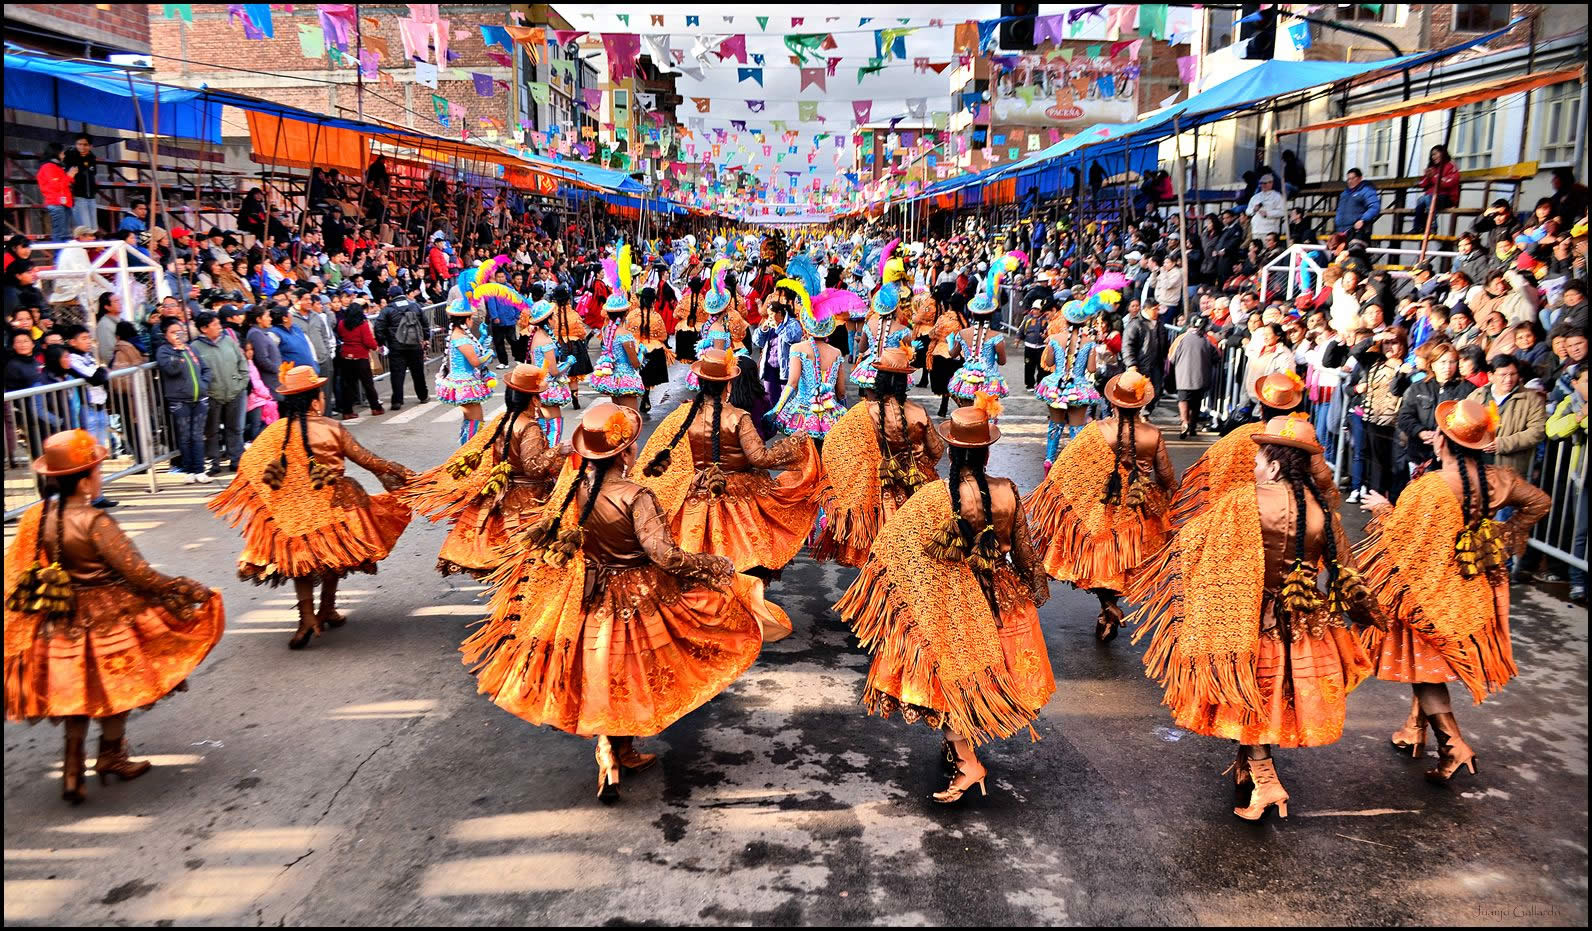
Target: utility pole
<point>359,62</point>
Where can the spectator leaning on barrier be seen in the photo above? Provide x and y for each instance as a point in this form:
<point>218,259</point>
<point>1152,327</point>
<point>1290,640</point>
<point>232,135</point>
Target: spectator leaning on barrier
<point>1568,424</point>
<point>1358,207</point>
<point>1522,415</point>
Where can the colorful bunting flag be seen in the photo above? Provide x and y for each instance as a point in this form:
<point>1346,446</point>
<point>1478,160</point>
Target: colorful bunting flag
<point>312,41</point>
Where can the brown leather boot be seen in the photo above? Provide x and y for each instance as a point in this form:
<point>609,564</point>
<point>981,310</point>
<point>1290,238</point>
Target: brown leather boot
<point>1268,792</point>
<point>114,760</point>
<point>308,626</point>
<point>72,762</point>
<point>1412,736</point>
<point>1452,751</point>
<point>607,771</point>
<point>631,759</point>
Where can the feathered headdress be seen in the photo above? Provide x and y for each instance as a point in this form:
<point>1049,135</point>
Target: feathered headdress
<point>818,325</point>
<point>986,301</point>
<point>803,269</point>
<point>616,272</point>
<point>891,268</point>
<point>718,293</point>
<point>1100,302</point>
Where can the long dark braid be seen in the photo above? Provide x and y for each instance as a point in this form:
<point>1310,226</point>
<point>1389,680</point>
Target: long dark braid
<point>1347,590</point>
<point>1127,421</point>
<point>600,470</point>
<point>46,588</point>
<point>718,418</point>
<point>660,460</point>
<point>295,410</point>
<point>1478,548</point>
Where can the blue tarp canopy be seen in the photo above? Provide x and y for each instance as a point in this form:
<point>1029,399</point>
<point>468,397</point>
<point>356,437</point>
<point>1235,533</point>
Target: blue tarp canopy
<point>1261,84</point>
<point>610,179</point>
<point>102,96</point>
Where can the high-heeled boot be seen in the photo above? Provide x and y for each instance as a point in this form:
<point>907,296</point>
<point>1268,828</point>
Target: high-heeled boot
<point>115,760</point>
<point>328,615</point>
<point>72,760</point>
<point>630,759</point>
<point>1268,791</point>
<point>1412,736</point>
<point>969,773</point>
<point>1052,443</point>
<point>1452,751</point>
<point>308,626</point>
<point>607,771</point>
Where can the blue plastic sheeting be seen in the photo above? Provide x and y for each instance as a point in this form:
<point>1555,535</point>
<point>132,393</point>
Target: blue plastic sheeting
<point>101,96</point>
<point>611,179</point>
<point>1267,81</point>
<point>655,204</point>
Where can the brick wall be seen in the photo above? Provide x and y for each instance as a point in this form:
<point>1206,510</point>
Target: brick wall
<point>121,25</point>
<point>1440,25</point>
<point>193,50</point>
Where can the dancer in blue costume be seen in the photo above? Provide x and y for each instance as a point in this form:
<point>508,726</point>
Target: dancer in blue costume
<point>1069,389</point>
<point>885,327</point>
<point>810,404</point>
<point>544,348</point>
<point>465,381</point>
<point>617,371</point>
<point>982,348</point>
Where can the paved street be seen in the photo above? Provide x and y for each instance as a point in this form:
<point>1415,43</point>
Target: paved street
<point>364,781</point>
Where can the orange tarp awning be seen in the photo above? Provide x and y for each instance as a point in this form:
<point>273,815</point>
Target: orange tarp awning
<point>1446,100</point>
<point>297,144</point>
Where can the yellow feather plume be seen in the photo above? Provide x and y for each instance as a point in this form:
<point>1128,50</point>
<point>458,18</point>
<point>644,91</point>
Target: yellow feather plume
<point>623,260</point>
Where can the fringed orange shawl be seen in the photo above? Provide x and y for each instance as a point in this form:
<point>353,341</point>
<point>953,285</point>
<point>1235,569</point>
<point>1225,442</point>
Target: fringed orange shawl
<point>931,615</point>
<point>22,626</point>
<point>851,459</point>
<point>1228,463</point>
<point>1408,560</point>
<point>1201,596</point>
<point>674,484</point>
<point>439,494</point>
<point>1084,540</point>
<point>299,530</point>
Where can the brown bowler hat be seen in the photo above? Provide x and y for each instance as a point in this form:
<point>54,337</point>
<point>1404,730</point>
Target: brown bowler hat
<point>70,452</point>
<point>1293,430</point>
<point>605,431</point>
<point>969,427</point>
<point>1282,391</point>
<point>527,378</point>
<point>1129,390</point>
<point>296,379</point>
<point>894,359</point>
<point>716,365</point>
<point>1471,424</point>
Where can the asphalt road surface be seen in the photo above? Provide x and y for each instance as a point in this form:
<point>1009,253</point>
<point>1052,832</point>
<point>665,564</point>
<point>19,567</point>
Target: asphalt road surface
<point>364,781</point>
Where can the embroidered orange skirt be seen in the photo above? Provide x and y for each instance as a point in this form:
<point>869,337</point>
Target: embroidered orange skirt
<point>476,540</point>
<point>758,521</point>
<point>643,653</point>
<point>1402,655</point>
<point>121,651</point>
<point>1304,688</point>
<point>895,686</point>
<point>356,531</point>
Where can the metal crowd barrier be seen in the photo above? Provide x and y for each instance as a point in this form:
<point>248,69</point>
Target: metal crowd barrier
<point>1561,472</point>
<point>127,423</point>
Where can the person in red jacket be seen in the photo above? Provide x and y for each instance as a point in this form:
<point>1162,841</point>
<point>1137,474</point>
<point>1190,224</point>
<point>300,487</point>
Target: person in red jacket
<point>55,189</point>
<point>355,344</point>
<point>437,260</point>
<point>1440,182</point>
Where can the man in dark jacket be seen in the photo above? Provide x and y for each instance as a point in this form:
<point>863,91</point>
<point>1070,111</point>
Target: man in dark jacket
<point>185,384</point>
<point>401,329</point>
<point>1144,347</point>
<point>228,392</point>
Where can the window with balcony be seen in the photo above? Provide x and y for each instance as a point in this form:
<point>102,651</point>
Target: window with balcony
<point>1480,17</point>
<point>1474,125</point>
<point>1559,116</point>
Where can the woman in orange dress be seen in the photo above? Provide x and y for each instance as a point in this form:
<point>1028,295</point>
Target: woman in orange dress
<point>715,489</point>
<point>493,484</point>
<point>1229,462</point>
<point>875,457</point>
<point>604,627</point>
<point>1244,641</point>
<point>1101,511</point>
<point>1438,563</point>
<point>92,631</point>
<point>303,519</point>
<point>948,604</point>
